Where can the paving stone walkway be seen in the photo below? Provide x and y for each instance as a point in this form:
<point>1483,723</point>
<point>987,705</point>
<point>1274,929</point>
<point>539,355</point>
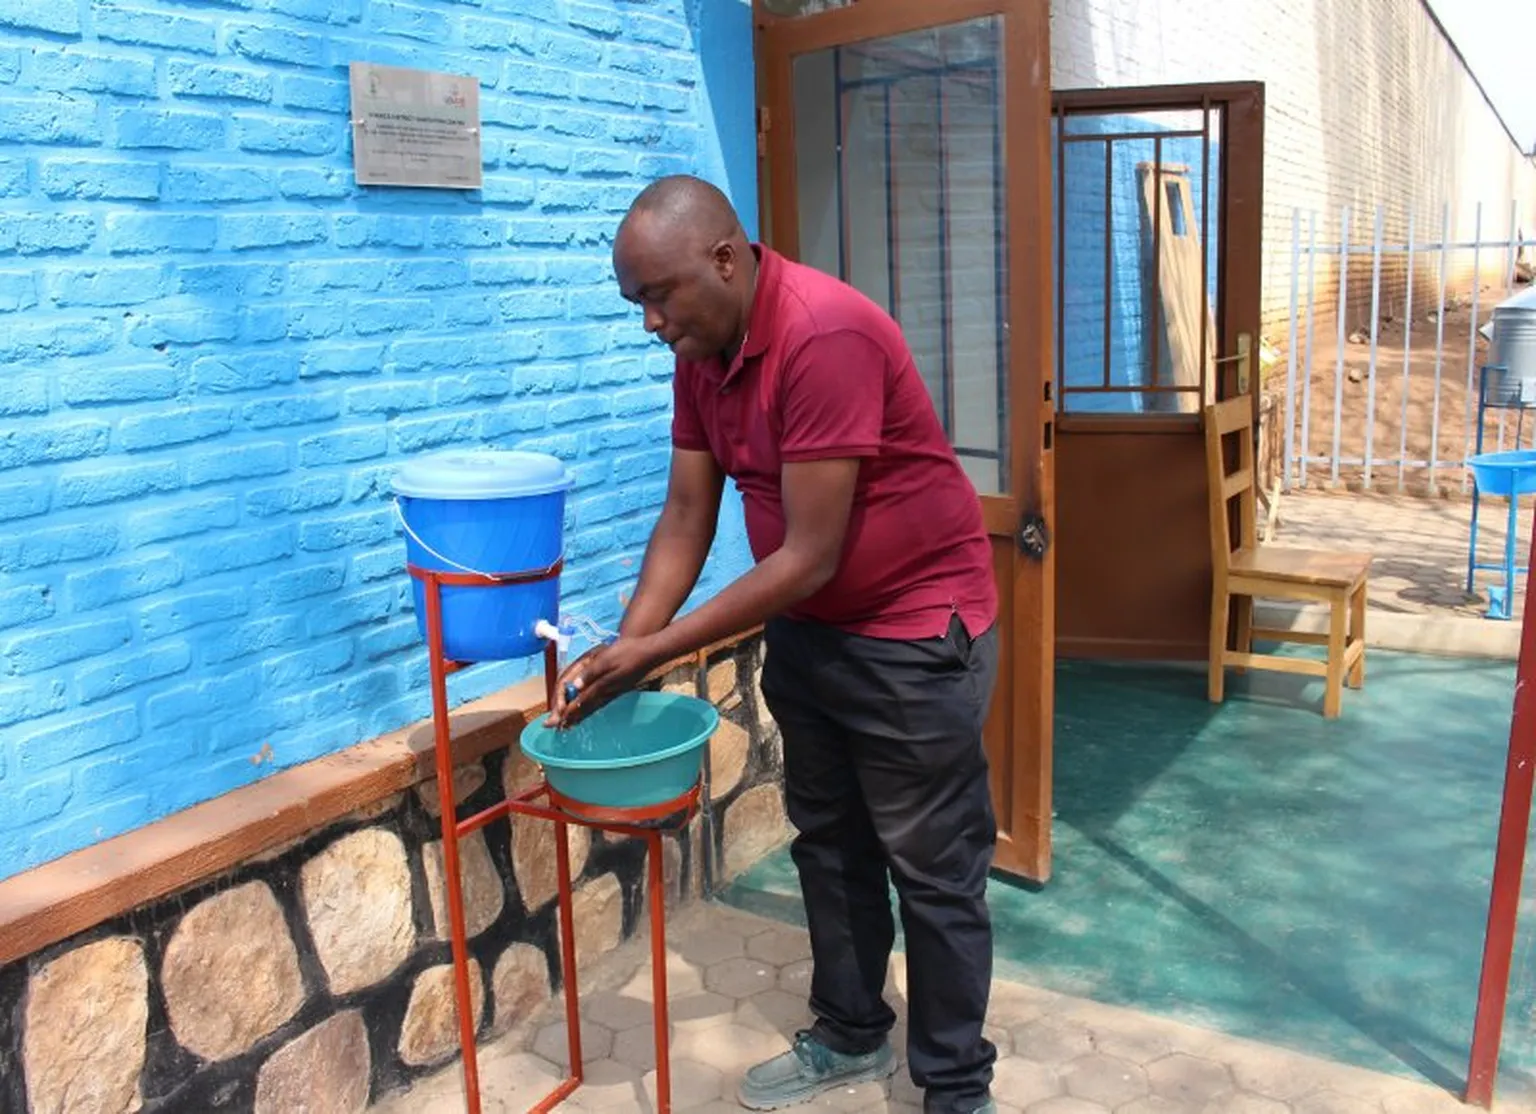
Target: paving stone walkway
<point>738,993</point>
<point>1420,545</point>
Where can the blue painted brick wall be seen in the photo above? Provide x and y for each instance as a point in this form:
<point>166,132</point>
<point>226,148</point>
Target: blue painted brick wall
<point>216,350</point>
<point>1130,253</point>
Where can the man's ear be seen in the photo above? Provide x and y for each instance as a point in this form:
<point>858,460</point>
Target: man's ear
<point>724,256</point>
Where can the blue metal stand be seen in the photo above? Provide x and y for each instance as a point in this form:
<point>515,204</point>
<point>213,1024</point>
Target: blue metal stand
<point>1500,596</point>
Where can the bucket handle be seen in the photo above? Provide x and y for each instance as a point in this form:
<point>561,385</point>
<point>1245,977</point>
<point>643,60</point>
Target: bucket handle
<point>400,514</point>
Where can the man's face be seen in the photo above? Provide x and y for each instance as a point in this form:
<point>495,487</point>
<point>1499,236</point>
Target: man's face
<point>682,284</point>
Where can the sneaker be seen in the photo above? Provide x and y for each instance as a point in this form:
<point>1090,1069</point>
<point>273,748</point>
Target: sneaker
<point>808,1069</point>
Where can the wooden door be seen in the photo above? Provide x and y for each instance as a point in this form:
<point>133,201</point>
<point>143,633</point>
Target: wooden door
<point>905,148</point>
<point>1157,233</point>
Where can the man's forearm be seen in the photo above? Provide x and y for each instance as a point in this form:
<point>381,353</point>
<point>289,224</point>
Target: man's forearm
<point>777,583</point>
<point>674,557</point>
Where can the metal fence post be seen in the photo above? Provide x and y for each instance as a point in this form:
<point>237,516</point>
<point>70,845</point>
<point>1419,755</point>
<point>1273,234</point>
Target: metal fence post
<point>1290,359</point>
<point>1434,425</point>
<point>1370,395</point>
<point>1306,389</point>
<point>1477,282</point>
<point>1402,444</point>
<point>1338,370</point>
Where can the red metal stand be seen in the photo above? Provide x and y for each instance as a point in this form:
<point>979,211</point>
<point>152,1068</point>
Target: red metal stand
<point>648,823</point>
<point>1508,867</point>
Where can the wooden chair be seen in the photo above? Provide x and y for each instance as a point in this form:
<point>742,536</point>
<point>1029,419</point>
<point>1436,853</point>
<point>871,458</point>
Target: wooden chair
<point>1244,571</point>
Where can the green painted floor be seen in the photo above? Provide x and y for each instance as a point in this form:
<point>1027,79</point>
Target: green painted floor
<point>1256,869</point>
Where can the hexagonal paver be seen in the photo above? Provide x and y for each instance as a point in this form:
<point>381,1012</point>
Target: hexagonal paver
<point>1105,1079</point>
<point>519,1080</point>
<point>616,1011</point>
<point>704,946</point>
<point>609,1087</point>
<point>774,1011</point>
<point>1331,1102</point>
<point>693,1084</point>
<point>1244,1103</point>
<point>795,978</point>
<point>1152,1104</point>
<point>740,978</point>
<point>1190,1080</point>
<point>636,1047</point>
<point>1023,1082</point>
<point>1418,1099</point>
<point>1274,1072</point>
<point>730,1047</point>
<point>682,978</point>
<point>551,1043</point>
<point>1012,1004</point>
<point>1139,1041</point>
<point>1001,1039</point>
<point>701,1010</point>
<point>1068,1104</point>
<point>1052,1040</point>
<point>779,946</point>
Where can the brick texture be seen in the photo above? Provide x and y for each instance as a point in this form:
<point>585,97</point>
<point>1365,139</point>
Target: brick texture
<point>217,349</point>
<point>1367,104</point>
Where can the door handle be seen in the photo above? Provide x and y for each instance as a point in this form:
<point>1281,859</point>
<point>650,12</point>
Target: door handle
<point>1034,537</point>
<point>1243,360</point>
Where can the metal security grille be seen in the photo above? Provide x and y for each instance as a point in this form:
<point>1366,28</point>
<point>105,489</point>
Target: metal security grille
<point>1137,239</point>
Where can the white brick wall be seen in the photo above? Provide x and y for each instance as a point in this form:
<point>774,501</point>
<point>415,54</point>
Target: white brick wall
<point>1367,104</point>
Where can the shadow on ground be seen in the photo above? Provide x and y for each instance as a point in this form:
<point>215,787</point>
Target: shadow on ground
<point>1255,869</point>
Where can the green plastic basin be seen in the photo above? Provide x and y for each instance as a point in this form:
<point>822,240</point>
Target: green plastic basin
<point>643,748</point>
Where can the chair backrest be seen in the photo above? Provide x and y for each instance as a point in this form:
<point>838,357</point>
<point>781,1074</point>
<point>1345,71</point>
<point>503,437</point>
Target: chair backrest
<point>1223,485</point>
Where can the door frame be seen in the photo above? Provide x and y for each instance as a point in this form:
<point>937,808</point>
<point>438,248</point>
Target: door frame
<point>1100,446</point>
<point>1020,724</point>
<point>1242,232</point>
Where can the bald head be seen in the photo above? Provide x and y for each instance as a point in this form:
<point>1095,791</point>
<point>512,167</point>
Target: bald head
<point>684,205</point>
<point>682,256</point>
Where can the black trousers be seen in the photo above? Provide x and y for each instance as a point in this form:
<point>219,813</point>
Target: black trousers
<point>886,780</point>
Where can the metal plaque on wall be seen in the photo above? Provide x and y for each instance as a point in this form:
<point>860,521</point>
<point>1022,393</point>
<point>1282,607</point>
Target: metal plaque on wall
<point>415,128</point>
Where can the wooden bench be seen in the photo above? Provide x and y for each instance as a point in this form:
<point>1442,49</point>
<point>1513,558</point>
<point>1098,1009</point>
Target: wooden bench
<point>1244,571</point>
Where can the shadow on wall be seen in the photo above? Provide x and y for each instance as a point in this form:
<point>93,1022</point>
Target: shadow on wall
<point>722,35</point>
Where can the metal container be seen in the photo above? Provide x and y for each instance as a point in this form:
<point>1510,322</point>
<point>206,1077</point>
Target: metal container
<point>1512,354</point>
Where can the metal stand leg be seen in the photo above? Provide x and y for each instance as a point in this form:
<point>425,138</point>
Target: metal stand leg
<point>450,827</point>
<point>657,898</point>
<point>1501,600</point>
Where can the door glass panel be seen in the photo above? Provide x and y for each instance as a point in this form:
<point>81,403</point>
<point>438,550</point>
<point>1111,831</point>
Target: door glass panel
<point>901,191</point>
<point>1136,238</point>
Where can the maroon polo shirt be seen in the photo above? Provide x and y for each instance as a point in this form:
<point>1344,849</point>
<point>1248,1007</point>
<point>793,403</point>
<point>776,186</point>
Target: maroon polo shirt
<point>826,373</point>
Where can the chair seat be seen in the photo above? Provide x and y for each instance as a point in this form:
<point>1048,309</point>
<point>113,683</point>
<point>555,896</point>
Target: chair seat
<point>1315,567</point>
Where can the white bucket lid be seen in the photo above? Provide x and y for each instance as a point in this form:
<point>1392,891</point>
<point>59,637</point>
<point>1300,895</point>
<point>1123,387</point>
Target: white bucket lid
<point>481,474</point>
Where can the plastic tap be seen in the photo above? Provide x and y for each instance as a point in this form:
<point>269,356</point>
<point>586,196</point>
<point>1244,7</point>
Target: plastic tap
<point>549,632</point>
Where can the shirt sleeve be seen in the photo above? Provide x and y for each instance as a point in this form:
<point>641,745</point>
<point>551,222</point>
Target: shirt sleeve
<point>687,429</point>
<point>833,397</point>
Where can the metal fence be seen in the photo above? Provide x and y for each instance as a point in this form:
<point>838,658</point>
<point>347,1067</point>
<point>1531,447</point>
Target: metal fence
<point>1364,403</point>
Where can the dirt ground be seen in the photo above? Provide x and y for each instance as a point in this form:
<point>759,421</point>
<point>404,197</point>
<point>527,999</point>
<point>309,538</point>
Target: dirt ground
<point>1451,425</point>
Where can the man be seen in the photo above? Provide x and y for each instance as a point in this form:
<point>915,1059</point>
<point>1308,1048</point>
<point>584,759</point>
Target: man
<point>873,575</point>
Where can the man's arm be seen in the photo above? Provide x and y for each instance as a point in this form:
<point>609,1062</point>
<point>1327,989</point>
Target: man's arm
<point>817,497</point>
<point>679,543</point>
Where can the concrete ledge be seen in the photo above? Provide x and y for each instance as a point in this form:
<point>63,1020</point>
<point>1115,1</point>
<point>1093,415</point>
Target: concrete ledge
<point>1440,635</point>
<point>58,899</point>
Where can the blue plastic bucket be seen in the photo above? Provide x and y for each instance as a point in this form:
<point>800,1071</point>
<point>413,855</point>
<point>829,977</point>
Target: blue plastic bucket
<point>486,511</point>
<point>642,748</point>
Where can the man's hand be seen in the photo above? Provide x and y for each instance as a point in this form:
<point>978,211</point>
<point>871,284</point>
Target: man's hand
<point>599,675</point>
